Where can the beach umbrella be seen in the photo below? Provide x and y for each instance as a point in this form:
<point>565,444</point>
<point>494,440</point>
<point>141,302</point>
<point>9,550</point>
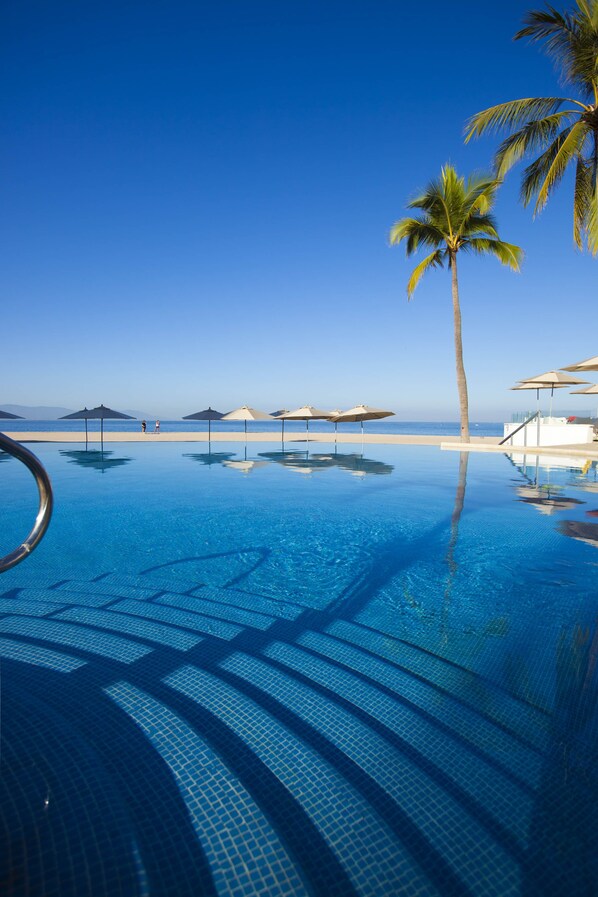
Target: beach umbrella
<point>246,413</point>
<point>550,380</point>
<point>100,413</point>
<point>361,413</point>
<point>6,415</point>
<point>335,413</point>
<point>588,391</point>
<point>307,413</point>
<point>208,414</point>
<point>590,364</point>
<point>279,415</point>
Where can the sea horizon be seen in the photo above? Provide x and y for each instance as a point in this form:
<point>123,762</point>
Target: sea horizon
<point>403,427</point>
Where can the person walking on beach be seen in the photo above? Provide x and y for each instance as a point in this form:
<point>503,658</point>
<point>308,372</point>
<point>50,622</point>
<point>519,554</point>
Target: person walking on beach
<point>143,426</point>
<point>157,427</point>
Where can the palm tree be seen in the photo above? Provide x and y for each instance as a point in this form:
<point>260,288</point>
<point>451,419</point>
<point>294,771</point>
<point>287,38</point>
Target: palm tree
<point>455,216</point>
<point>564,131</point>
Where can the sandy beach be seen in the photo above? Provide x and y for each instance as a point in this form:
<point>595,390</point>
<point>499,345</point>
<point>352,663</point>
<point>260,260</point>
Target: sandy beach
<point>228,436</point>
<point>477,443</point>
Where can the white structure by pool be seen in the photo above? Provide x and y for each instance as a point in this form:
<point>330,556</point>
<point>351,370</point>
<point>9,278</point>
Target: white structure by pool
<point>549,431</point>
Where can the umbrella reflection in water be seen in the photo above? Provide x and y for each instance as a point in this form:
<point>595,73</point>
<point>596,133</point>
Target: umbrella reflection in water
<point>351,462</point>
<point>209,458</point>
<point>94,459</point>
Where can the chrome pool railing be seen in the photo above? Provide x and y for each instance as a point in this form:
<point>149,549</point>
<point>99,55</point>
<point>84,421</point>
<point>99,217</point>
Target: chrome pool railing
<point>46,501</point>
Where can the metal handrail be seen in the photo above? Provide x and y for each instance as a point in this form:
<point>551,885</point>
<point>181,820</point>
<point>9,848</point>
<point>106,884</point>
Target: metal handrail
<point>520,427</point>
<point>46,502</point>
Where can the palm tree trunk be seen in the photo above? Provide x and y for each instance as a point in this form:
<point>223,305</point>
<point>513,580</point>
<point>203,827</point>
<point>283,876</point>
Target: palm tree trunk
<point>461,380</point>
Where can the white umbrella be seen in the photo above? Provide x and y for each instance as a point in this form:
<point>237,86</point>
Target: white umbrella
<point>590,364</point>
<point>246,413</point>
<point>588,391</point>
<point>307,413</point>
<point>550,380</point>
<point>361,413</point>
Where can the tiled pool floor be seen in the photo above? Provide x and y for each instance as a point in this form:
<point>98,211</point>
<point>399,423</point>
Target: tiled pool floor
<point>220,742</point>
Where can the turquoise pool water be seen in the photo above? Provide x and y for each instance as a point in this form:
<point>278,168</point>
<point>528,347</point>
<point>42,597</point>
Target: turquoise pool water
<point>300,673</point>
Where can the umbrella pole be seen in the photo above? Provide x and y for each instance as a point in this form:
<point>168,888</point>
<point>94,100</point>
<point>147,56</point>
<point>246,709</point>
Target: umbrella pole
<point>538,417</point>
<point>85,434</point>
<point>551,395</point>
<point>282,438</point>
<point>102,433</point>
<point>335,431</point>
<point>307,429</point>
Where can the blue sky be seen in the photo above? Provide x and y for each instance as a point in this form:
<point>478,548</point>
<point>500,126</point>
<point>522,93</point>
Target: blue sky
<point>197,199</point>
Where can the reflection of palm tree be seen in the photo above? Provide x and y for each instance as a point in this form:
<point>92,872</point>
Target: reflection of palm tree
<point>450,554</point>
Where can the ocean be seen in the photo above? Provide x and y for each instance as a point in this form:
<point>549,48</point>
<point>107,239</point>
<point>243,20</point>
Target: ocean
<point>419,428</point>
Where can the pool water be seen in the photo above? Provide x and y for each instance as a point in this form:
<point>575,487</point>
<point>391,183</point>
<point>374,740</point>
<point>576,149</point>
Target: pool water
<point>257,672</point>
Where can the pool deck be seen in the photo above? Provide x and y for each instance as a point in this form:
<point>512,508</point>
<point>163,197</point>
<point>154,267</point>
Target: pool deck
<point>477,443</point>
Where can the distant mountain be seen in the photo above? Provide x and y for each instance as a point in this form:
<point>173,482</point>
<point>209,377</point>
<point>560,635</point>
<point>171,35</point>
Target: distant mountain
<point>37,412</point>
<point>140,415</point>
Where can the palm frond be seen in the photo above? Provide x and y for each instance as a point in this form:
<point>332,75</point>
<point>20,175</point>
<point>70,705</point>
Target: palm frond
<point>476,224</point>
<point>434,260</point>
<point>534,135</point>
<point>535,173</point>
<point>417,232</point>
<point>549,24</point>
<point>569,150</point>
<point>506,253</point>
<point>569,38</point>
<point>514,114</point>
<point>480,192</point>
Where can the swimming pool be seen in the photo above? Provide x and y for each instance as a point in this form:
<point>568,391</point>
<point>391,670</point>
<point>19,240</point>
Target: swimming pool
<point>267,673</point>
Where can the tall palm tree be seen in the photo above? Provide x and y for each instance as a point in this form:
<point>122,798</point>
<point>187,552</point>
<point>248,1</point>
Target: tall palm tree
<point>563,130</point>
<point>454,217</point>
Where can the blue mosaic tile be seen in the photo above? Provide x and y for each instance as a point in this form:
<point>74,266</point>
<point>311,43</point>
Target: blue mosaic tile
<point>270,607</point>
<point>152,632</point>
<point>182,619</point>
<point>78,637</point>
<point>240,844</point>
<point>221,611</point>
<point>364,845</point>
<point>43,657</point>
